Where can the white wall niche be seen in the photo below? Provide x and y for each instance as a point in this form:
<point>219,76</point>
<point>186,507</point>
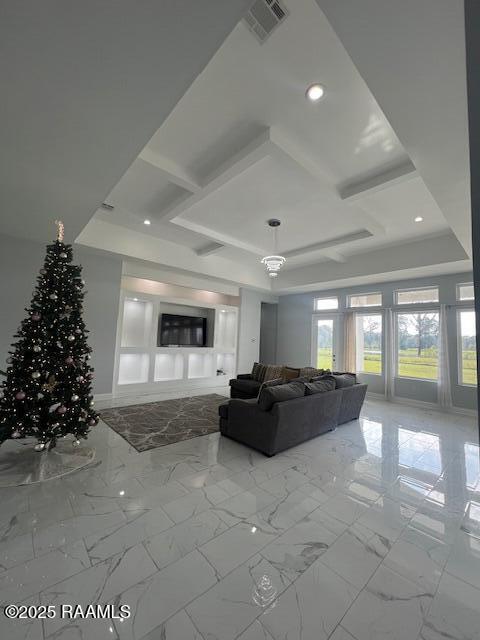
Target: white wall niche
<point>133,368</point>
<point>168,366</point>
<point>137,322</point>
<point>200,365</point>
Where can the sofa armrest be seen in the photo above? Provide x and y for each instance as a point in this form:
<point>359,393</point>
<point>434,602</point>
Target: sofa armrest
<point>244,376</point>
<point>247,423</point>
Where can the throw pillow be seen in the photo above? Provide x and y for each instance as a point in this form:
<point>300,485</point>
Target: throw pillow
<point>311,371</point>
<point>345,380</point>
<point>273,372</point>
<point>290,373</point>
<point>280,393</point>
<point>320,386</point>
<point>255,368</point>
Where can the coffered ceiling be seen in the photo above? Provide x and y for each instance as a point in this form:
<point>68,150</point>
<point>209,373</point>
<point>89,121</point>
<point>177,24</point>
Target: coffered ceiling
<point>244,144</point>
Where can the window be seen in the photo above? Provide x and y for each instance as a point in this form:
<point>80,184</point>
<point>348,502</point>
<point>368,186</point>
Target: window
<point>417,345</point>
<point>326,304</point>
<point>467,366</point>
<point>368,343</point>
<point>365,300</point>
<point>417,296</point>
<point>465,291</point>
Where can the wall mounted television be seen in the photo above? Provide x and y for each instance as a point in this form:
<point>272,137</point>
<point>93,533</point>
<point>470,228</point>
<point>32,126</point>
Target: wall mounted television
<point>181,331</point>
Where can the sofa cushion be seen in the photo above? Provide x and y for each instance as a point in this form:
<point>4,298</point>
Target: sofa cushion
<point>290,373</point>
<point>321,385</point>
<point>248,386</point>
<point>280,393</point>
<point>256,370</point>
<point>271,383</point>
<point>223,410</point>
<point>345,380</point>
<point>273,372</point>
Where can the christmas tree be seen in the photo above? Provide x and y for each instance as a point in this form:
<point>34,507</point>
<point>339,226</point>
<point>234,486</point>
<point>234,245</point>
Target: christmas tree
<point>47,390</point>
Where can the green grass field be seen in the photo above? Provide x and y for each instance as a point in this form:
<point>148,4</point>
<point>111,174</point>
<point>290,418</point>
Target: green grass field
<point>410,365</point>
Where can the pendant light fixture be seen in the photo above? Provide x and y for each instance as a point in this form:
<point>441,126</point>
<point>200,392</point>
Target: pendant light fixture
<point>273,263</point>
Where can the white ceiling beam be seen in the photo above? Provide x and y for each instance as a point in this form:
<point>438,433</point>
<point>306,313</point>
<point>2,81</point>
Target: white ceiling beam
<point>328,244</point>
<point>382,180</point>
<point>172,171</point>
<point>334,255</point>
<point>208,249</point>
<point>234,166</point>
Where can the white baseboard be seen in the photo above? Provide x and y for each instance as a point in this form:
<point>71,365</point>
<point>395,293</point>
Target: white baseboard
<point>100,397</point>
<point>420,404</point>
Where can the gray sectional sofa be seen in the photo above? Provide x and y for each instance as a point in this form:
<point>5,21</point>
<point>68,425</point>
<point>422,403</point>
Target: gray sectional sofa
<point>289,422</point>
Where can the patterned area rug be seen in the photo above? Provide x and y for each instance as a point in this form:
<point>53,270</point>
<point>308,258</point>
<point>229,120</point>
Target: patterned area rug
<point>155,424</point>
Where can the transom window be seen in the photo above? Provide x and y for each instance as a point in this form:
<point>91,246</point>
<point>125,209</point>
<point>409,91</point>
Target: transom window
<point>326,304</point>
<point>365,300</point>
<point>465,291</point>
<point>416,296</point>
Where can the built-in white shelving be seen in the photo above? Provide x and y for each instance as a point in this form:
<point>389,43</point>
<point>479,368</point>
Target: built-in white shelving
<point>142,366</point>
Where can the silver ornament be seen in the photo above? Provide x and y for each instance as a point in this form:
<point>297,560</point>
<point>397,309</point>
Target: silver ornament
<point>53,296</point>
<point>74,397</point>
<point>91,403</point>
<point>76,443</point>
<point>16,434</point>
<point>36,374</point>
<point>37,348</point>
<point>71,338</point>
<point>40,396</point>
<point>40,446</point>
<point>63,255</point>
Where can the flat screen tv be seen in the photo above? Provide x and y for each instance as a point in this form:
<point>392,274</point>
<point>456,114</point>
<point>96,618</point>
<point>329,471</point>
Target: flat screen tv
<point>181,331</point>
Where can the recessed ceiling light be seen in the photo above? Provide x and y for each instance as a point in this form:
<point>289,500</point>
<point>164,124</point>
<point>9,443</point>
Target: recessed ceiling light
<point>418,219</point>
<point>135,299</point>
<point>147,222</point>
<point>315,92</point>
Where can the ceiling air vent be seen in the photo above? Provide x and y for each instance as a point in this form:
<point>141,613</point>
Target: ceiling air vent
<point>264,16</point>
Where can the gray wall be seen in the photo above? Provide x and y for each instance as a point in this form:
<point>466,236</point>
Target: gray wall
<point>268,332</point>
<point>20,261</point>
<point>249,327</point>
<point>294,331</point>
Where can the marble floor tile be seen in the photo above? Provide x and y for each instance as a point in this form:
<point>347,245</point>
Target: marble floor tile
<point>156,599</point>
<point>388,607</point>
<point>178,541</point>
<point>356,554</point>
<point>187,506</point>
<point>311,607</point>
<point>284,483</point>
<point>454,613</point>
<point>140,526</point>
<point>178,627</point>
<point>73,529</point>
<point>344,507</point>
<point>39,573</point>
<point>235,546</point>
<point>295,550</point>
<point>97,585</point>
<point>341,634</point>
<point>419,558</point>
<point>224,611</point>
<point>16,551</point>
<point>387,517</point>
<point>25,629</point>
<point>283,513</point>
<point>464,560</point>
<point>243,505</point>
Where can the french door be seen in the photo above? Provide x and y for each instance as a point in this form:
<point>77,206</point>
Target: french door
<point>326,341</point>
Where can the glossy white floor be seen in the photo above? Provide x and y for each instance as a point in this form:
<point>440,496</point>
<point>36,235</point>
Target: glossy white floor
<point>369,532</point>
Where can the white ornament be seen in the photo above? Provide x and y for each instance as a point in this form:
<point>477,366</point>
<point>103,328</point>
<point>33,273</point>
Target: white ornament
<point>40,446</point>
<point>16,434</point>
<point>36,374</point>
